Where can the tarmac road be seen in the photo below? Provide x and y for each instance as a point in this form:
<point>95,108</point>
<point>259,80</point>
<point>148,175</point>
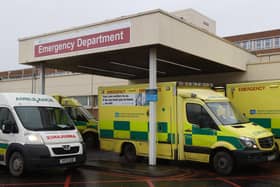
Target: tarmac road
<point>107,170</point>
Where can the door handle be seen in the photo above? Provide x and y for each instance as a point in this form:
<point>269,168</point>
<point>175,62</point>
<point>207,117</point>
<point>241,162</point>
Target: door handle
<point>273,86</point>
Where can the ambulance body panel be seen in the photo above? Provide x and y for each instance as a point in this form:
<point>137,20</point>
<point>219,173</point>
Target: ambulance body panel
<point>260,102</point>
<point>189,126</point>
<point>36,132</point>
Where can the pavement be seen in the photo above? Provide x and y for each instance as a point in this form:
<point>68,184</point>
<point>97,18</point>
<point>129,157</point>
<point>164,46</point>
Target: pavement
<point>108,161</point>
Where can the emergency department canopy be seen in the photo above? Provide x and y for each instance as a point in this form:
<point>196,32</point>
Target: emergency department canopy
<point>120,48</point>
<point>150,44</point>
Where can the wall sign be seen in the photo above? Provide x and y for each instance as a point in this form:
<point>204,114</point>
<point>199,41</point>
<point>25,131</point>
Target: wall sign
<point>82,40</point>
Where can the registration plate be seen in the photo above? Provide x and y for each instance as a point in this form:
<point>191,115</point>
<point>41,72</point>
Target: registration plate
<point>67,160</point>
<point>272,157</point>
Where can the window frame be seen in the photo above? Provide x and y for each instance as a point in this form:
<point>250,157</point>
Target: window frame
<point>16,130</point>
<point>215,125</point>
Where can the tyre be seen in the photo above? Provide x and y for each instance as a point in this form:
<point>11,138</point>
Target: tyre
<point>16,164</point>
<point>129,152</point>
<point>91,141</point>
<point>223,163</point>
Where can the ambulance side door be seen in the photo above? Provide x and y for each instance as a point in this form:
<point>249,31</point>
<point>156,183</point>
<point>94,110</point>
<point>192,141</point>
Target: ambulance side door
<point>6,119</point>
<point>200,132</point>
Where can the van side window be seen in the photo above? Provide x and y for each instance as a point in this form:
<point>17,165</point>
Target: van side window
<point>6,115</point>
<point>197,115</point>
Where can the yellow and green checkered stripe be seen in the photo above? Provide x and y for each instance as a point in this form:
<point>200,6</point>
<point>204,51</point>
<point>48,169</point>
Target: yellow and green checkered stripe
<point>3,149</point>
<point>269,123</point>
<point>207,132</point>
<point>82,125</point>
<point>3,146</point>
<point>127,130</point>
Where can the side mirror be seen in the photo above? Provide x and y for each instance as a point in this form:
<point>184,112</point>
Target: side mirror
<point>7,126</point>
<point>195,125</point>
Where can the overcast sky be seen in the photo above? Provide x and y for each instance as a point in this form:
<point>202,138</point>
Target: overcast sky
<point>22,18</point>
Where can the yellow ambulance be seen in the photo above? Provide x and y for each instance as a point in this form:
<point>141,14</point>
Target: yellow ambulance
<point>82,118</point>
<point>193,123</point>
<point>260,102</point>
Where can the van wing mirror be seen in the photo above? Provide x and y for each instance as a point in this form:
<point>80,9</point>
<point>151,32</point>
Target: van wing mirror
<point>195,125</point>
<point>7,126</point>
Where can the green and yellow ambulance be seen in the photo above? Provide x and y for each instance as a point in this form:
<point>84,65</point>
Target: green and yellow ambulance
<point>260,102</point>
<point>193,123</point>
<point>82,118</point>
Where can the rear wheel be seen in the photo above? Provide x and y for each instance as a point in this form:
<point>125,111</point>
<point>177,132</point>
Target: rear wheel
<point>129,152</point>
<point>223,163</point>
<point>16,164</point>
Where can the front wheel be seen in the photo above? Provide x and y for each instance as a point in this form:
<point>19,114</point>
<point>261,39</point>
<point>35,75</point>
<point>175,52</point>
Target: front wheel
<point>223,163</point>
<point>129,152</point>
<point>16,164</point>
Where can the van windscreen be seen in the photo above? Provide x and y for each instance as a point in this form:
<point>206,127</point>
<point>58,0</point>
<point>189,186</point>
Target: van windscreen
<point>226,113</point>
<point>44,118</point>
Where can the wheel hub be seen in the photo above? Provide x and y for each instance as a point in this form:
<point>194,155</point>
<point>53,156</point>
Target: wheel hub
<point>222,163</point>
<point>17,164</point>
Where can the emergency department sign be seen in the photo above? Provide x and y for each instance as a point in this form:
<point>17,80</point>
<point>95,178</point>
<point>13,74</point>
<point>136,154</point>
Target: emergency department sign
<point>86,39</point>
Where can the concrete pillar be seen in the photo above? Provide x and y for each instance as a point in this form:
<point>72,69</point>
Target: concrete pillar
<point>42,78</point>
<point>152,107</point>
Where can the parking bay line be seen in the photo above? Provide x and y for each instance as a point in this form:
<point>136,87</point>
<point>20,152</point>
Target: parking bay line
<point>228,182</point>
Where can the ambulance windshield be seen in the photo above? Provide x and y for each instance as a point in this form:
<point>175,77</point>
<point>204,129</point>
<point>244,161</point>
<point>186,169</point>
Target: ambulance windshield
<point>44,118</point>
<point>86,113</point>
<point>226,113</point>
<point>79,114</point>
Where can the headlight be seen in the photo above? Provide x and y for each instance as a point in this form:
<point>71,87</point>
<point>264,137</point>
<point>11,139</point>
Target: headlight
<point>248,142</point>
<point>80,136</point>
<point>33,139</point>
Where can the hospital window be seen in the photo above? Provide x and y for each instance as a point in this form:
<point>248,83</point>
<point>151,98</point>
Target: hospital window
<point>88,101</point>
<point>238,44</point>
<point>246,44</point>
<point>258,44</point>
<point>277,42</point>
<point>268,43</point>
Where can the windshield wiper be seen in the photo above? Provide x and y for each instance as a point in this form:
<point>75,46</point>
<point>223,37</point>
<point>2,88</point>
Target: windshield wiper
<point>238,123</point>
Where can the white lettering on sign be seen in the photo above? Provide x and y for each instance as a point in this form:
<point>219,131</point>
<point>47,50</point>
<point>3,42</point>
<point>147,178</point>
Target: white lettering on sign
<point>89,39</point>
<point>56,48</point>
<point>51,137</point>
<point>99,39</point>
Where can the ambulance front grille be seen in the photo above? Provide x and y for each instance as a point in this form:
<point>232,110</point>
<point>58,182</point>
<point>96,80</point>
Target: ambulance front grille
<point>62,151</point>
<point>266,142</point>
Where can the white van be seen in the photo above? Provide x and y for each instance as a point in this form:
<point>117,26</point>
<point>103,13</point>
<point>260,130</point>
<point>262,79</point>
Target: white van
<point>36,132</point>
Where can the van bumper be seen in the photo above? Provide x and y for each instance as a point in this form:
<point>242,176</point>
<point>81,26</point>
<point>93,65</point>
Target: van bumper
<point>38,156</point>
<point>246,157</point>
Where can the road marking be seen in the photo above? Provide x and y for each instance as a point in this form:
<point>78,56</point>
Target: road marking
<point>67,181</point>
<point>228,182</point>
<point>147,180</point>
<point>150,183</point>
